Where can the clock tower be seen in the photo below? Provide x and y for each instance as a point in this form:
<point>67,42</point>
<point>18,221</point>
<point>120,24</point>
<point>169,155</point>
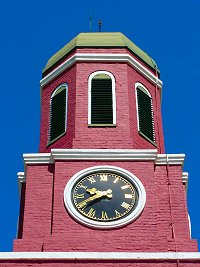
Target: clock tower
<point>102,191</point>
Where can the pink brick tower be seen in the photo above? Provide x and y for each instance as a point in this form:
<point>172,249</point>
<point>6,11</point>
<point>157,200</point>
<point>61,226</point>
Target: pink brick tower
<point>101,191</point>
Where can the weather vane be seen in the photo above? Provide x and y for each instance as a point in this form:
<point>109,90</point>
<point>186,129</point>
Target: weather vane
<point>100,24</point>
<point>90,21</point>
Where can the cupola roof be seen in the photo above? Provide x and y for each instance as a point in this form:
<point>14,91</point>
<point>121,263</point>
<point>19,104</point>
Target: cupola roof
<point>101,40</point>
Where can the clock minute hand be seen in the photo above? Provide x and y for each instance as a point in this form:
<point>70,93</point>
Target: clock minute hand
<point>84,202</point>
<point>98,194</point>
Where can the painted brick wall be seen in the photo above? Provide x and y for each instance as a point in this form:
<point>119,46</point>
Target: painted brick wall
<point>123,263</point>
<point>163,225</point>
<point>79,135</point>
<point>68,77</point>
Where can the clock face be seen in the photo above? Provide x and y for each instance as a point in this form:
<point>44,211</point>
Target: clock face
<point>104,196</point>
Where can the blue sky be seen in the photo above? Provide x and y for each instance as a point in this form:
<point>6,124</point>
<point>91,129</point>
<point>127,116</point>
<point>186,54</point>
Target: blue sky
<point>32,31</point>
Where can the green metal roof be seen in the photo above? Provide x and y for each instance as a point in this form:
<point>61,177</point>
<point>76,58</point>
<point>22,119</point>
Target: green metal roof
<point>100,39</point>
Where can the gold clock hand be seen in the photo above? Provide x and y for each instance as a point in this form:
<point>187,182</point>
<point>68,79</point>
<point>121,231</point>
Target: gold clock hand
<point>84,202</point>
<point>98,194</point>
<point>92,191</point>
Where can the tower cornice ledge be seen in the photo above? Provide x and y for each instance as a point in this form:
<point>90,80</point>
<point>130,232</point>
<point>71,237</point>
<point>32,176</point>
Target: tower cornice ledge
<point>104,256</point>
<point>104,155</point>
<point>100,57</point>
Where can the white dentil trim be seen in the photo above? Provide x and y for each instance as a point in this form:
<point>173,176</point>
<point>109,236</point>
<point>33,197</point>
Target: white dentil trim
<point>98,57</point>
<point>137,256</point>
<point>90,91</point>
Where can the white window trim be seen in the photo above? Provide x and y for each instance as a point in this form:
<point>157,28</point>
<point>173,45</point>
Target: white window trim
<point>144,89</point>
<point>66,107</point>
<point>113,93</point>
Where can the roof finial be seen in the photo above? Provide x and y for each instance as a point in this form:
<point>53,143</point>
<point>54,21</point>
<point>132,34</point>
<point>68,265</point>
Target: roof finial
<point>100,24</point>
<point>90,21</point>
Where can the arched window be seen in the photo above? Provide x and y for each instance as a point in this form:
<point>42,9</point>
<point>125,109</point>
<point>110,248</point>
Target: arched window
<point>145,112</point>
<point>58,112</point>
<point>102,102</point>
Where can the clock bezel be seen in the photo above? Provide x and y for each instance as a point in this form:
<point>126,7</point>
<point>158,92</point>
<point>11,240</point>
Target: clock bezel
<point>133,215</point>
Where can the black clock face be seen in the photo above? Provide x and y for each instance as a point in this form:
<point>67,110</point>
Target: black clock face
<point>104,196</point>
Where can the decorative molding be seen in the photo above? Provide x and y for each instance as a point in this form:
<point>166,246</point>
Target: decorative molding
<point>170,159</point>
<point>102,155</point>
<point>104,256</point>
<point>185,178</point>
<point>98,57</point>
<point>21,179</point>
<point>38,158</point>
<point>105,155</point>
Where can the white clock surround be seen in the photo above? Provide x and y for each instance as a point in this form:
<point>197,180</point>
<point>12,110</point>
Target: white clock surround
<point>100,224</point>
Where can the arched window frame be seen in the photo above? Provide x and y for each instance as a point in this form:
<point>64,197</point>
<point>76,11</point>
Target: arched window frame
<point>113,94</point>
<point>145,90</point>
<point>65,85</point>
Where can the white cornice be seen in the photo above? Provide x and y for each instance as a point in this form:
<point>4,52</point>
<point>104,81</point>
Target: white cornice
<point>98,57</point>
<point>105,155</point>
<point>185,180</point>
<point>185,177</point>
<point>115,256</point>
<point>21,179</point>
<point>38,158</point>
<point>102,155</point>
<point>170,159</point>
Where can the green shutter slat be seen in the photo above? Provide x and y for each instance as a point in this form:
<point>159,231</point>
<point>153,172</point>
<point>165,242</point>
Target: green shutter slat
<point>58,114</point>
<point>101,101</point>
<point>145,114</point>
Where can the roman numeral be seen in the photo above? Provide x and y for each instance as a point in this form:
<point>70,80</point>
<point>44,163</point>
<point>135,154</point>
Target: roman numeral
<point>124,187</point>
<point>125,205</point>
<point>116,180</point>
<point>128,196</point>
<point>117,214</point>
<point>79,195</point>
<point>91,213</point>
<point>103,177</point>
<point>92,180</point>
<point>83,186</point>
<point>104,215</point>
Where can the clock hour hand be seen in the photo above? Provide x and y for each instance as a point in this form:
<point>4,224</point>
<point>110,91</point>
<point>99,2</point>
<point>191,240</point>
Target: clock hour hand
<point>92,191</point>
<point>97,195</point>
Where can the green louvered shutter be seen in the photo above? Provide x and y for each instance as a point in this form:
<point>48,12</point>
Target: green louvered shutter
<point>146,124</point>
<point>101,101</point>
<point>58,114</point>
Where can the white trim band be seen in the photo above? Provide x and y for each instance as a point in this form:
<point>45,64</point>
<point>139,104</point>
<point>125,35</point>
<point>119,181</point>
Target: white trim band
<point>104,155</point>
<point>126,256</point>
<point>170,159</point>
<point>98,57</point>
